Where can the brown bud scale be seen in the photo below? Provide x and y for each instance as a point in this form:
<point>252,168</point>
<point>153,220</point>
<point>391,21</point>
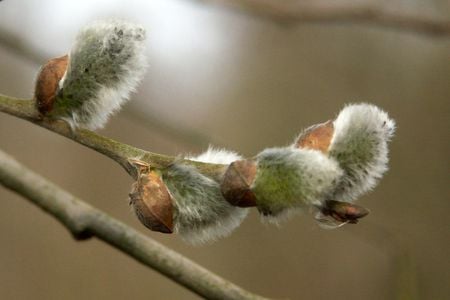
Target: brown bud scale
<point>237,182</point>
<point>152,202</point>
<point>344,211</point>
<point>47,83</point>
<point>317,137</point>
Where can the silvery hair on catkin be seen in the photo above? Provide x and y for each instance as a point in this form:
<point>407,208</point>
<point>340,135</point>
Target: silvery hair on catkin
<point>359,144</point>
<point>201,213</point>
<point>106,63</point>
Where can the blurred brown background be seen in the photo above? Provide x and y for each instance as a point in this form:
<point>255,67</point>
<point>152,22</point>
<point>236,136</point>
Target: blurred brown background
<point>245,83</point>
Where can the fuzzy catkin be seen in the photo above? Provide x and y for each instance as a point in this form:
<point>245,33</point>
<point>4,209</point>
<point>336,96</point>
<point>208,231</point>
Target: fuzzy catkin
<point>216,156</point>
<point>289,180</point>
<point>201,213</point>
<point>106,64</point>
<point>359,144</point>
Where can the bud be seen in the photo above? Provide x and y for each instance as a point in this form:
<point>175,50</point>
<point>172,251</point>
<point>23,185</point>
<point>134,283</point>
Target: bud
<point>335,213</point>
<point>151,201</point>
<point>184,201</point>
<point>105,65</point>
<point>237,182</point>
<point>359,144</point>
<point>290,179</point>
<point>317,137</point>
<point>327,167</point>
<point>201,213</point>
<point>47,83</point>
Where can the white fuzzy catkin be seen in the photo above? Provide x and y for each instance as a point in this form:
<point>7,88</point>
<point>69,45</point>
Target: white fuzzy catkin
<point>359,144</point>
<point>290,179</point>
<point>216,156</point>
<point>106,64</point>
<point>201,213</point>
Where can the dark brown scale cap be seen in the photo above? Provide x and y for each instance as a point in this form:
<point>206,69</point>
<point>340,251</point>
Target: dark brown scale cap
<point>237,181</point>
<point>47,83</point>
<point>152,202</point>
<point>344,211</point>
<point>317,137</point>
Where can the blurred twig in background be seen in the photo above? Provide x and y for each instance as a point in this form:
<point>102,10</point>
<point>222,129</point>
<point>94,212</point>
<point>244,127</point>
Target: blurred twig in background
<point>85,221</point>
<point>298,12</point>
<point>21,47</point>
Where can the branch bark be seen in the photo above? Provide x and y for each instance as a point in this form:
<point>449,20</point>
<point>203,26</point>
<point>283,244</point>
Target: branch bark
<point>295,12</point>
<point>119,152</point>
<point>85,221</point>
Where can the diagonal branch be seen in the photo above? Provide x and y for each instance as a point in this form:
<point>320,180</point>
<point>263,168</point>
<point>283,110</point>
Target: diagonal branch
<point>19,46</point>
<point>295,12</point>
<point>119,152</point>
<point>84,221</point>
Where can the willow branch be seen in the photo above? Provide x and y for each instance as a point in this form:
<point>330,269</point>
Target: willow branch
<point>119,152</point>
<point>84,221</point>
<point>291,12</point>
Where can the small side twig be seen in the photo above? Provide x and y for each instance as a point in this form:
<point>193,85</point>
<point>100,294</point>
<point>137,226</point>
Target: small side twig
<point>293,12</point>
<point>84,221</point>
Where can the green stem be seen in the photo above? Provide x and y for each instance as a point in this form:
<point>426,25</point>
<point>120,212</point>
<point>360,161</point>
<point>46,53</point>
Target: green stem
<point>119,152</point>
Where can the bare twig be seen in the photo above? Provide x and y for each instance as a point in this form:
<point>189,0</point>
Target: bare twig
<point>119,152</point>
<point>84,221</point>
<point>295,12</point>
<point>21,47</point>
